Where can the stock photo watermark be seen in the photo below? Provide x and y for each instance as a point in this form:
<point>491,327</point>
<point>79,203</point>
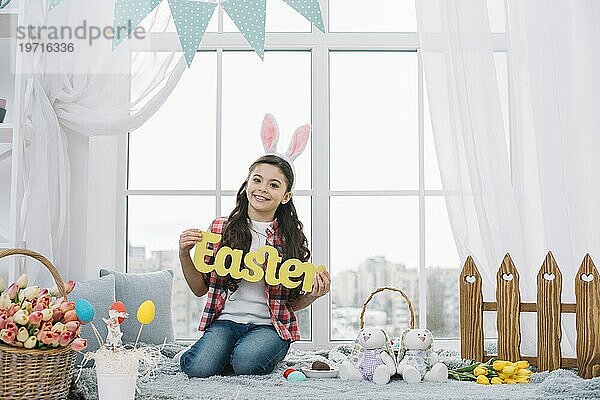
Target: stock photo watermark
<point>52,39</point>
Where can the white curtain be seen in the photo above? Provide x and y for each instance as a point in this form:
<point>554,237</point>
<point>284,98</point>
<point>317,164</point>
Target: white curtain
<point>71,96</point>
<point>538,192</point>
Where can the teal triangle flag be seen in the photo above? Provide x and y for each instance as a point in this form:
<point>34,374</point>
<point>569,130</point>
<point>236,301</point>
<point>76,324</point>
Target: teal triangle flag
<point>128,15</point>
<point>191,19</point>
<point>310,10</point>
<point>53,3</point>
<point>249,17</point>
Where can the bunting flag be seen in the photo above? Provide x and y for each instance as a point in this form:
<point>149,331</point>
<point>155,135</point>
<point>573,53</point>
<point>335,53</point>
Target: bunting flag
<point>191,19</point>
<point>249,17</point>
<point>128,15</point>
<point>310,10</point>
<point>53,3</point>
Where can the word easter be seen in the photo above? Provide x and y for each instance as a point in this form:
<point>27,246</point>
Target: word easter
<point>254,260</point>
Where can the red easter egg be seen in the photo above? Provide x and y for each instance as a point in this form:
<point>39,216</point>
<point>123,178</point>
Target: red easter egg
<point>287,372</point>
<point>120,307</point>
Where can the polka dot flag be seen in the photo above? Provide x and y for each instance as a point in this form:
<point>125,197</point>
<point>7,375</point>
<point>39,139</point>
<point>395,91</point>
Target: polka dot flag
<point>310,10</point>
<point>191,19</point>
<point>53,3</point>
<point>128,15</point>
<point>249,17</point>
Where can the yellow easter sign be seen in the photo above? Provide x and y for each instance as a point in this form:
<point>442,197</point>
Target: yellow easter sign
<point>254,261</point>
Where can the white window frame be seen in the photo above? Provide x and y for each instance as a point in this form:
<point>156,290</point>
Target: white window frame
<point>320,45</point>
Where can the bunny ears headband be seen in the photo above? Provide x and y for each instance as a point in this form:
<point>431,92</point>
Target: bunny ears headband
<point>269,134</point>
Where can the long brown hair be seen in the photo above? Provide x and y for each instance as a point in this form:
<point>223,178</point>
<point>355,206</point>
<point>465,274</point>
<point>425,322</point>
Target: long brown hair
<point>237,231</point>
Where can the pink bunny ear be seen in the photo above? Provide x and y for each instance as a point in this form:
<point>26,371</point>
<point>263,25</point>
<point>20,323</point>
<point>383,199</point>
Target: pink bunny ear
<point>298,142</point>
<point>269,133</point>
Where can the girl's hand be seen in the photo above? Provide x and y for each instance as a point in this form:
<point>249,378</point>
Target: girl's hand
<point>321,285</point>
<point>187,240</point>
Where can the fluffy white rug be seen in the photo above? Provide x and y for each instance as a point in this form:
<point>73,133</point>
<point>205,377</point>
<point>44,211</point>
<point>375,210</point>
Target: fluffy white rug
<point>169,383</point>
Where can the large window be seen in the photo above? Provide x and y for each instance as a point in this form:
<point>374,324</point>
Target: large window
<point>368,188</point>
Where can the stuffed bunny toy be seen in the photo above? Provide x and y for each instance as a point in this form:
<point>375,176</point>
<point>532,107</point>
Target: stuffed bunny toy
<point>372,360</point>
<point>416,359</point>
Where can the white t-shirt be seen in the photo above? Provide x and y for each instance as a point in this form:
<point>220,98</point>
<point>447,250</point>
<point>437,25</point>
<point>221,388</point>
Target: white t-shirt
<point>248,304</point>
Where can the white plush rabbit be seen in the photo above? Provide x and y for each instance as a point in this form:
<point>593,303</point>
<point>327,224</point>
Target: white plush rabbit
<point>373,359</point>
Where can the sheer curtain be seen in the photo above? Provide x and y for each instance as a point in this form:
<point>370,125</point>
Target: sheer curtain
<point>70,97</point>
<point>542,197</point>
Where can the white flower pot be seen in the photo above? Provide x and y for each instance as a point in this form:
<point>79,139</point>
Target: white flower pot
<point>117,376</point>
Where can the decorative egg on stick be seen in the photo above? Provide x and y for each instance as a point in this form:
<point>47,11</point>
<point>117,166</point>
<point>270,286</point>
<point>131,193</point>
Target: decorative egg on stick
<point>85,313</point>
<point>145,315</point>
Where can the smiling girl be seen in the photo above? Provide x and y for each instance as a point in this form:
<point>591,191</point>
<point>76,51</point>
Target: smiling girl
<point>248,327</point>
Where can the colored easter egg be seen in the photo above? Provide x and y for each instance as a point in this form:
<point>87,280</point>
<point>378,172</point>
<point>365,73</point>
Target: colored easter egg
<point>146,312</point>
<point>296,376</point>
<point>84,310</point>
<point>287,372</point>
<point>120,307</point>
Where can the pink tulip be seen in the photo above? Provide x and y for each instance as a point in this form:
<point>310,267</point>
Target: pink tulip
<point>12,291</point>
<point>69,285</point>
<point>79,344</point>
<point>3,312</point>
<point>51,338</point>
<point>7,336</point>
<point>10,325</point>
<point>57,302</point>
<point>43,292</point>
<point>35,319</point>
<point>12,310</point>
<point>65,339</point>
<point>2,321</point>
<point>56,315</point>
<point>42,302</point>
<point>72,326</point>
<point>67,306</point>
<point>70,315</point>
<point>46,326</point>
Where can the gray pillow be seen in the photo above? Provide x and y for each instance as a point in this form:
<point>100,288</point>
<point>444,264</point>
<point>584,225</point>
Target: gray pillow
<point>101,295</point>
<point>133,289</point>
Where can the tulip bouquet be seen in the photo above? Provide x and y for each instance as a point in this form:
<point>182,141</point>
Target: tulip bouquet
<point>36,318</point>
<point>493,372</point>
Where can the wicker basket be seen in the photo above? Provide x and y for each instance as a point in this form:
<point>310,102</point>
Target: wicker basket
<point>381,289</point>
<point>35,373</point>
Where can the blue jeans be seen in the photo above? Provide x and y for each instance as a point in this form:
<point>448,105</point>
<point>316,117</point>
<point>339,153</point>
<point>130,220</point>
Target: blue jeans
<point>244,349</point>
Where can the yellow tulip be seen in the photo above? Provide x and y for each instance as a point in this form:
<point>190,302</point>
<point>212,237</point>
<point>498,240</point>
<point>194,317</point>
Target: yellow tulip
<point>496,381</point>
<point>480,371</point>
<point>503,376</point>
<point>30,343</point>
<point>509,370</point>
<point>523,379</point>
<point>483,380</point>
<point>524,372</point>
<point>522,364</point>
<point>499,365</point>
<point>510,381</point>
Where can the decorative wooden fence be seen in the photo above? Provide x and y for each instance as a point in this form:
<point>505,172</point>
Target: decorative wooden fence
<point>548,308</point>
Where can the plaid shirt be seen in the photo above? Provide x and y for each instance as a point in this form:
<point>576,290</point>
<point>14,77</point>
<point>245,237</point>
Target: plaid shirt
<point>282,316</point>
